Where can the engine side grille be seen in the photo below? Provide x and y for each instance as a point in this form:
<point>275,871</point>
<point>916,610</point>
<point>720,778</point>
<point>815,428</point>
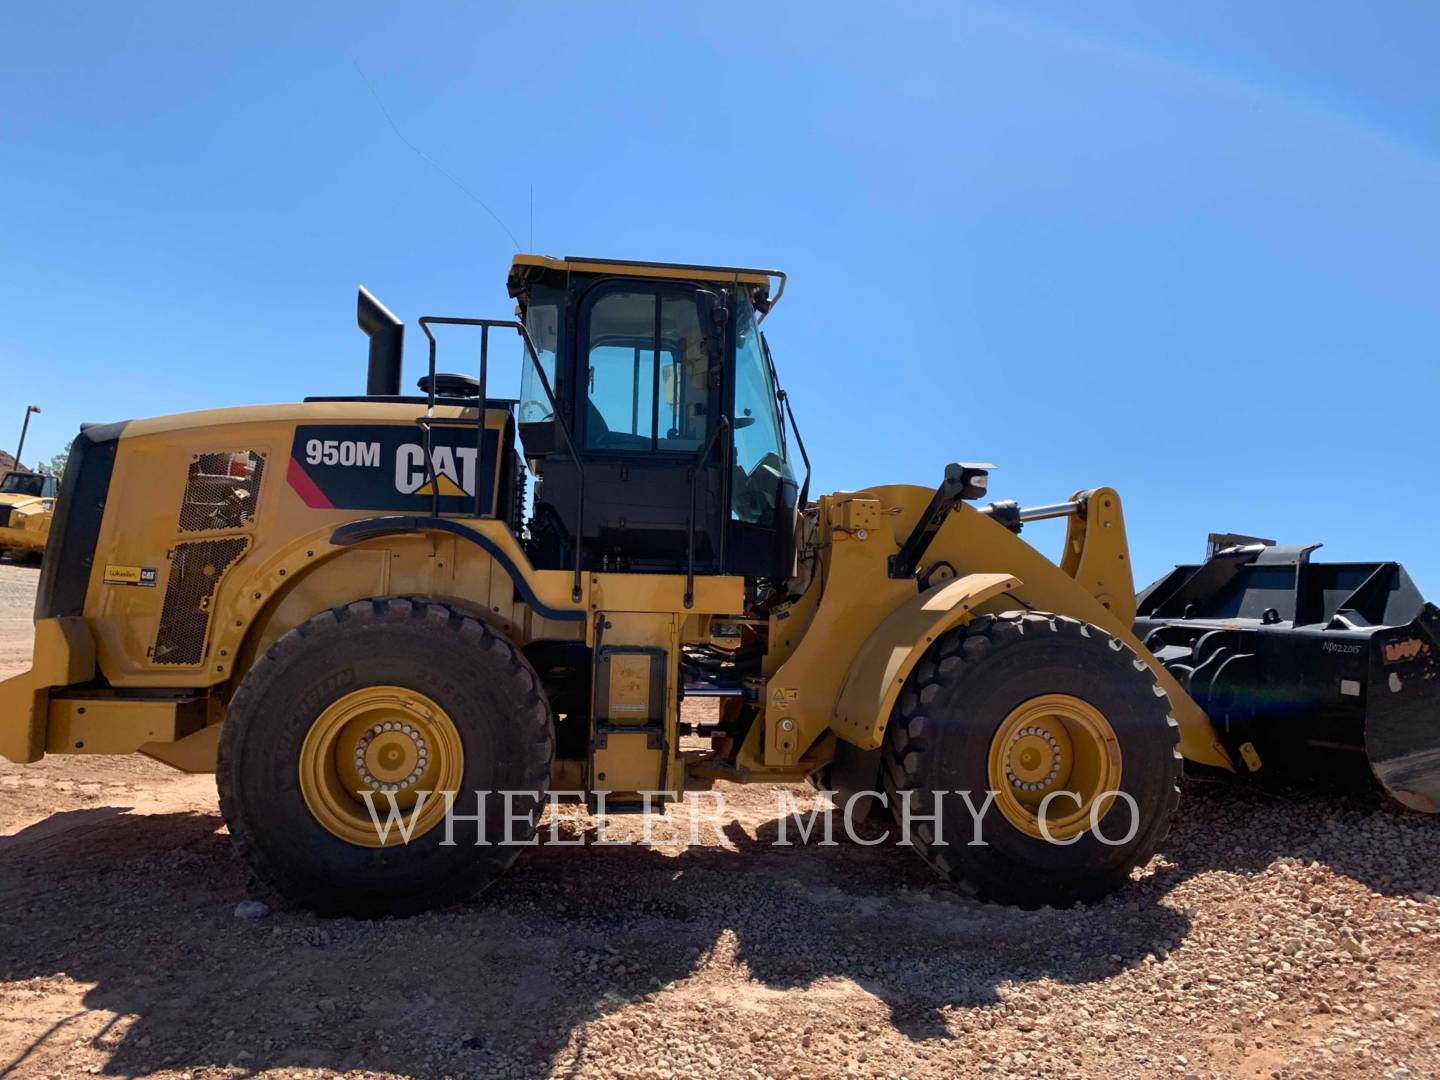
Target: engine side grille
<point>4,516</point>
<point>221,491</point>
<point>196,568</point>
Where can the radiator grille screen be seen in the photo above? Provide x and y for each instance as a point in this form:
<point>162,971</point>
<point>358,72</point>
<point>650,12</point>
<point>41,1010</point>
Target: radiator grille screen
<point>4,516</point>
<point>220,491</point>
<point>195,570</point>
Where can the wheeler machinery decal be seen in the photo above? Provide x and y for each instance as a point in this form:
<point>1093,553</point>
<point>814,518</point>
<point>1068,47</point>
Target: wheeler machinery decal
<point>130,575</point>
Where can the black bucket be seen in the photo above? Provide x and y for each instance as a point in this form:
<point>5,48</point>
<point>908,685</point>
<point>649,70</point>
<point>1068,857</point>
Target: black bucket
<point>1326,672</point>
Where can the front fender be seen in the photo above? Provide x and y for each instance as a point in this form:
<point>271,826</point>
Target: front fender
<point>895,646</point>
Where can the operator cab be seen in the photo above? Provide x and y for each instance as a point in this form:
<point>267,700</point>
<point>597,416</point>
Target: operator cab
<point>28,483</point>
<point>652,419</point>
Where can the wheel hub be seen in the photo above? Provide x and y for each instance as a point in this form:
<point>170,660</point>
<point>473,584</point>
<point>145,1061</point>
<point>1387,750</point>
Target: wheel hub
<point>386,740</point>
<point>391,756</point>
<point>1057,746</point>
<point>1034,759</point>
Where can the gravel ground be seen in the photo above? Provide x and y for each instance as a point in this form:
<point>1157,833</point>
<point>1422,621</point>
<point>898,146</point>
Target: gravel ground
<point>1274,936</point>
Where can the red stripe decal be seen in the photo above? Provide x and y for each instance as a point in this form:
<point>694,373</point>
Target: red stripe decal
<point>306,488</point>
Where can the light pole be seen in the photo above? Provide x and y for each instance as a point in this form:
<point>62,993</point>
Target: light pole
<point>24,428</point>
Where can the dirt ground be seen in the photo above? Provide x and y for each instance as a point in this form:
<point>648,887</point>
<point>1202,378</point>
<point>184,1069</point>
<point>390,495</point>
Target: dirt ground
<point>1274,936</point>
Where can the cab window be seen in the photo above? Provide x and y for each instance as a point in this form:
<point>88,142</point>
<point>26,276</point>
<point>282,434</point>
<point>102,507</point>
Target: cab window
<point>646,374</point>
<point>23,484</point>
<point>542,322</point>
<point>759,449</point>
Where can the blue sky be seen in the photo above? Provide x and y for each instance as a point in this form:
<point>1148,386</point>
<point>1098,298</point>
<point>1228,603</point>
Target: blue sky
<point>1191,251</point>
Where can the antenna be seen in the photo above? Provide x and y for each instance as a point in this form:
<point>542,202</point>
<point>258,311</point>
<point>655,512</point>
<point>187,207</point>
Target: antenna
<point>532,217</point>
<point>426,157</point>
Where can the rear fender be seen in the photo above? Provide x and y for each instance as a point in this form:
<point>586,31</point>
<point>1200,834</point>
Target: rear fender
<point>896,645</point>
<point>480,570</point>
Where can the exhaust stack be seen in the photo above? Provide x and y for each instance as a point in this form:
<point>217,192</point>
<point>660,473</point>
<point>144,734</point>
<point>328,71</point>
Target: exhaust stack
<point>387,343</point>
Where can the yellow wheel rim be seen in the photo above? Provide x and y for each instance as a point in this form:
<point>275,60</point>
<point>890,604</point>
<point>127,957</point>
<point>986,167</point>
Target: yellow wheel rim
<point>385,740</point>
<point>1051,744</point>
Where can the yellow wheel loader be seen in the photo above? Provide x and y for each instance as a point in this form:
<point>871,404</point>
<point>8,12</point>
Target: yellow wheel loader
<point>352,611</point>
<point>27,505</point>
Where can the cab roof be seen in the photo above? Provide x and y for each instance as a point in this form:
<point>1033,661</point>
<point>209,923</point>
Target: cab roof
<point>529,267</point>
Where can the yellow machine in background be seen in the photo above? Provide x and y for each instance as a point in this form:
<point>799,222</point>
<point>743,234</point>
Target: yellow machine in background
<point>352,600</point>
<point>27,505</point>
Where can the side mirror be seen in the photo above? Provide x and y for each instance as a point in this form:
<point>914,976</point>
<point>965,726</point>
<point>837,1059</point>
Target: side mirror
<point>719,313</point>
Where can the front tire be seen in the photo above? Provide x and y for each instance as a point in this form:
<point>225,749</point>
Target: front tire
<point>399,697</point>
<point>1030,705</point>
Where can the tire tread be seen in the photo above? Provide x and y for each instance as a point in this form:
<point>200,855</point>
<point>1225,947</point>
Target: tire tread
<point>535,713</point>
<point>970,645</point>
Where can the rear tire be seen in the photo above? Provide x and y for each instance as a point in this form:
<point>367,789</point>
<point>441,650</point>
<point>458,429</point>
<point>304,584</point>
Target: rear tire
<point>943,733</point>
<point>497,733</point>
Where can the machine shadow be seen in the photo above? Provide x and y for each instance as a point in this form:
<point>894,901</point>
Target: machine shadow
<point>143,909</point>
<point>57,824</point>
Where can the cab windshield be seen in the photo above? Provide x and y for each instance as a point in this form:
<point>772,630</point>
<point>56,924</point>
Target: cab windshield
<point>22,484</point>
<point>759,438</point>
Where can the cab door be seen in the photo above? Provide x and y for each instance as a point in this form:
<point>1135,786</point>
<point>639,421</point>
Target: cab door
<point>649,364</point>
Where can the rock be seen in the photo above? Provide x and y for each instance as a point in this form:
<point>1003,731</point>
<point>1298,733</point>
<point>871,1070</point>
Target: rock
<point>251,909</point>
